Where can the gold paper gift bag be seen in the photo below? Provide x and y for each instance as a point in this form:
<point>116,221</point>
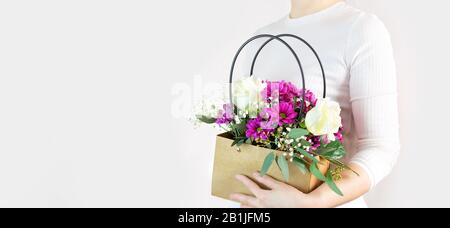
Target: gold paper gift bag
<point>228,162</point>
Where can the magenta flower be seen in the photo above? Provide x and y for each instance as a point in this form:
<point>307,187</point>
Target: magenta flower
<point>339,136</point>
<point>316,141</point>
<point>310,98</point>
<point>256,130</point>
<point>280,114</point>
<point>310,101</point>
<point>226,115</point>
<point>287,114</point>
<point>285,91</point>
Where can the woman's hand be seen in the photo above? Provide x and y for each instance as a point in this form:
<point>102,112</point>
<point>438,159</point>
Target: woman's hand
<point>280,195</point>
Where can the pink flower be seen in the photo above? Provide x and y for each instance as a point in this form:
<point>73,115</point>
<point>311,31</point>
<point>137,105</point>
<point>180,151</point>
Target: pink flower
<point>278,115</point>
<point>286,113</point>
<point>256,130</point>
<point>339,135</point>
<point>226,115</point>
<point>286,91</point>
<point>310,101</point>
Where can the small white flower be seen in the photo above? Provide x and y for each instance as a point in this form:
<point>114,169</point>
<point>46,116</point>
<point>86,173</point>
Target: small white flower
<point>285,154</point>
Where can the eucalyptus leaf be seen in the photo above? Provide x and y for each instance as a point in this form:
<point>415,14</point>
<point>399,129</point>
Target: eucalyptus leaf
<point>238,141</point>
<point>336,154</point>
<point>267,163</point>
<point>206,119</point>
<point>297,133</point>
<point>308,155</point>
<point>332,151</point>
<point>332,185</point>
<point>316,172</point>
<point>300,165</point>
<point>284,167</point>
<point>239,129</point>
<point>305,143</point>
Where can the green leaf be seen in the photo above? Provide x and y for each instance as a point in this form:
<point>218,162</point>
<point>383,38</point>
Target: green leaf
<point>300,165</point>
<point>336,154</point>
<point>248,141</point>
<point>267,163</point>
<point>308,155</point>
<point>205,119</point>
<point>316,172</point>
<point>297,133</point>
<point>238,141</point>
<point>239,129</point>
<point>305,143</point>
<point>332,151</point>
<point>284,167</point>
<point>332,185</point>
<point>303,125</point>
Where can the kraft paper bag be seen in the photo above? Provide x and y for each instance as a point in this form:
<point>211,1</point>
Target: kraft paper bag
<point>228,162</point>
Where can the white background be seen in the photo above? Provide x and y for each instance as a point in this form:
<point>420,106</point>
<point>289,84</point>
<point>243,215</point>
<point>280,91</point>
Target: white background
<point>86,99</point>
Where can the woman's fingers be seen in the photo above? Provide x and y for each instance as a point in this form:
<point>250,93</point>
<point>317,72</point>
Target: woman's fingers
<point>244,200</point>
<point>267,181</point>
<point>252,186</point>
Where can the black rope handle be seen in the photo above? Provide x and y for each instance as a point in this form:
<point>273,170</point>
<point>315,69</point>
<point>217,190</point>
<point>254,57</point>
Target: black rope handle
<point>303,41</point>
<point>272,37</point>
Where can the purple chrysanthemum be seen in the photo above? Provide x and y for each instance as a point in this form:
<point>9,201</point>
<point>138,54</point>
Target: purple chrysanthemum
<point>283,113</point>
<point>286,91</point>
<point>256,130</point>
<point>226,115</point>
<point>287,113</point>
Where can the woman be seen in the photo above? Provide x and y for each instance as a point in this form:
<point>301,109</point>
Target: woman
<point>357,55</point>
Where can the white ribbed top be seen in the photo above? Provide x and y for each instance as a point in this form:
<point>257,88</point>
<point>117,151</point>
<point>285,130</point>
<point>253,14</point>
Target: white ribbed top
<point>356,51</point>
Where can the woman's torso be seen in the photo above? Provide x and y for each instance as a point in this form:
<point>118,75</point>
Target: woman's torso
<point>328,32</point>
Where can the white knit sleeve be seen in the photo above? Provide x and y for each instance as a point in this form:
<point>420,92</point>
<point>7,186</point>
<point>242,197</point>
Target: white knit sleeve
<point>373,93</point>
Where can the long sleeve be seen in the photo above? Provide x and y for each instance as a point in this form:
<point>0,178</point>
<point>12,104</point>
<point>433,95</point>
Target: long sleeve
<point>373,94</point>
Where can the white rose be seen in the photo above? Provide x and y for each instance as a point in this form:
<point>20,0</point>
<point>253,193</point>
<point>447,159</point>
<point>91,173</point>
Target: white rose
<point>324,119</point>
<point>247,95</point>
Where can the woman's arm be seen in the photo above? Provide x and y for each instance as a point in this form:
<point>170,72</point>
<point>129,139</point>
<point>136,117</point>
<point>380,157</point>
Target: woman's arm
<point>351,185</point>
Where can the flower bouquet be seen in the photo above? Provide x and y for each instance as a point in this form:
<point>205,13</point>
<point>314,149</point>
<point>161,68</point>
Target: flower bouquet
<point>283,131</point>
